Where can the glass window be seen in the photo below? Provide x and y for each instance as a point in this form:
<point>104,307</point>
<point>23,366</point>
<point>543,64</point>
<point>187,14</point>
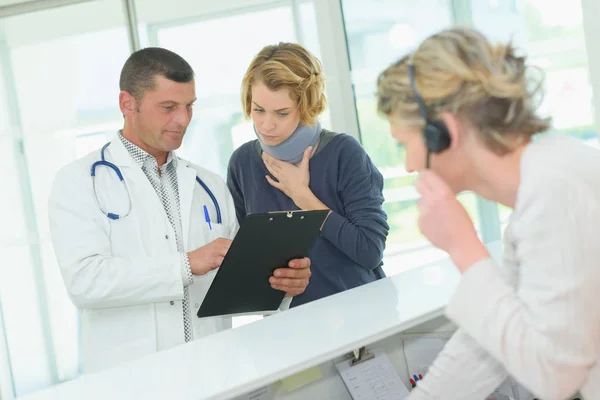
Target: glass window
<point>58,89</point>
<point>218,122</point>
<point>218,126</point>
<point>551,33</point>
<point>377,35</point>
<point>60,81</point>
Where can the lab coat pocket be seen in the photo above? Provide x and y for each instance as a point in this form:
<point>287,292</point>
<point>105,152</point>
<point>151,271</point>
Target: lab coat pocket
<point>212,233</point>
<point>217,231</point>
<point>203,238</point>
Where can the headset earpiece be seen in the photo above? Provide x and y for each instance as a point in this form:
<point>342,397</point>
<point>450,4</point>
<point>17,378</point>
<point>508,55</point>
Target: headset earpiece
<point>436,136</point>
<point>435,133</point>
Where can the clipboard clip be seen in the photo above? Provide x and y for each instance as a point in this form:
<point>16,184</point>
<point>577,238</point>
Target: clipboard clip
<point>360,355</point>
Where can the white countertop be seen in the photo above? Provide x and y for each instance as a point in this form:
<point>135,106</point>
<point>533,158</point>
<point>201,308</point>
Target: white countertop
<point>237,361</point>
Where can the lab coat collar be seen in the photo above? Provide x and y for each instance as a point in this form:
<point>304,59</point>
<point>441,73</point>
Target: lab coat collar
<point>123,158</point>
<point>120,155</point>
<point>186,179</point>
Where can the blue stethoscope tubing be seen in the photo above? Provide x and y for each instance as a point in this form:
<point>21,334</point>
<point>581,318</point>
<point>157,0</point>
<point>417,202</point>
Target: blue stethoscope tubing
<point>113,216</point>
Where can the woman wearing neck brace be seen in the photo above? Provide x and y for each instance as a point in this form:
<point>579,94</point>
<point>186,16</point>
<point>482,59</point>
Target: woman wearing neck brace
<point>295,164</point>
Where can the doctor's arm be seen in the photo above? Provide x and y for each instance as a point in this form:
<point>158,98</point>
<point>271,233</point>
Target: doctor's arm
<point>94,277</point>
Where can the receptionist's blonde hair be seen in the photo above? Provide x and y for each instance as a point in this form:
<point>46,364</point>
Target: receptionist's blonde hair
<point>288,65</point>
<point>459,71</point>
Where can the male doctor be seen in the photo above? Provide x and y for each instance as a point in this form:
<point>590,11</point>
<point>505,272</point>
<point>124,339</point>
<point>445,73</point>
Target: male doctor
<point>138,255</point>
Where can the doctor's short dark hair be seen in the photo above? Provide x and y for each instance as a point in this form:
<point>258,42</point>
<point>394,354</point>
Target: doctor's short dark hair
<point>143,66</point>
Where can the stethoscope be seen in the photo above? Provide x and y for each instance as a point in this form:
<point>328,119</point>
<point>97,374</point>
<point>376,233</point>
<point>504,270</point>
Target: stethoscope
<point>112,166</point>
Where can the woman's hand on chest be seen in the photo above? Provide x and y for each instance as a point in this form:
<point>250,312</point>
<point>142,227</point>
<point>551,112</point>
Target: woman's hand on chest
<point>293,180</point>
<point>290,179</point>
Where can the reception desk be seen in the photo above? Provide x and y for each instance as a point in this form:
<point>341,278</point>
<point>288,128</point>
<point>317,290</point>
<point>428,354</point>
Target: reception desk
<point>259,355</point>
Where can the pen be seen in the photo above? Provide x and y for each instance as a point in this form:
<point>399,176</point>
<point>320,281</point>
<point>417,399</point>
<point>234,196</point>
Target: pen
<point>412,382</point>
<point>207,217</point>
<point>415,378</point>
<point>420,377</point>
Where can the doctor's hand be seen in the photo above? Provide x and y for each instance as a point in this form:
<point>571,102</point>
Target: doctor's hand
<point>208,257</point>
<point>293,280</point>
<point>445,223</point>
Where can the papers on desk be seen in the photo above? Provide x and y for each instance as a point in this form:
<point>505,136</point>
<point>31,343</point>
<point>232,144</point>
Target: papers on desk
<point>374,379</point>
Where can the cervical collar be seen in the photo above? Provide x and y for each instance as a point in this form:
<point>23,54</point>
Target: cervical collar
<point>292,149</point>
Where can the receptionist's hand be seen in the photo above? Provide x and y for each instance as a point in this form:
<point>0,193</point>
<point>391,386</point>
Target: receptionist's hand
<point>293,280</point>
<point>445,222</point>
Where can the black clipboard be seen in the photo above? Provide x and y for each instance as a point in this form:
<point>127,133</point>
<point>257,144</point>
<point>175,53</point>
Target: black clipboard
<point>263,243</point>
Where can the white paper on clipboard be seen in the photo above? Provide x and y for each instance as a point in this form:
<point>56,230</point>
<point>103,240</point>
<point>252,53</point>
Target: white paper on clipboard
<point>374,379</point>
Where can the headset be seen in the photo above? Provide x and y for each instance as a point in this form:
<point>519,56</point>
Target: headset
<point>435,133</point>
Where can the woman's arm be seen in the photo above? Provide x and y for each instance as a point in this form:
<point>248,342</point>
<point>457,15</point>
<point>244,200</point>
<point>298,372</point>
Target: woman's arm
<point>361,233</point>
<point>545,329</point>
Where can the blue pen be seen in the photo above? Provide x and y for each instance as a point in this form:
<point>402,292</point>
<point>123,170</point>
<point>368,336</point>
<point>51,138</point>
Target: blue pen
<point>207,217</point>
<point>415,378</point>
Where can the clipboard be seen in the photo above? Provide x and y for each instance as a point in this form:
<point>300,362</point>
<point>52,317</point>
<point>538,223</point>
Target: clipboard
<point>371,375</point>
<point>263,243</point>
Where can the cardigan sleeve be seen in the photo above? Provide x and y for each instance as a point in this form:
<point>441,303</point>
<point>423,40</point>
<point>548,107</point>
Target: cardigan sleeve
<point>362,231</point>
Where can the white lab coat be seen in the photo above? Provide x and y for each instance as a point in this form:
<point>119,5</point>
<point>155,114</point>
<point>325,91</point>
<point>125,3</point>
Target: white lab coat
<point>125,275</point>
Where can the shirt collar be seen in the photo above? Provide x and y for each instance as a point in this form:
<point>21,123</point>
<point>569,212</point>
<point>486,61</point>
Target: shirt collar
<point>141,156</point>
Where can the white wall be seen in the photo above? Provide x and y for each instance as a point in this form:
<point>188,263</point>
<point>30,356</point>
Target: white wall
<point>20,30</point>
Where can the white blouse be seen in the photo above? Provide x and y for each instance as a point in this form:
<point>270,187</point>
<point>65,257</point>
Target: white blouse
<point>536,316</point>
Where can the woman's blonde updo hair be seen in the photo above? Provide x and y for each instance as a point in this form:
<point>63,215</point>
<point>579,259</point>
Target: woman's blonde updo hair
<point>288,65</point>
<point>459,71</point>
